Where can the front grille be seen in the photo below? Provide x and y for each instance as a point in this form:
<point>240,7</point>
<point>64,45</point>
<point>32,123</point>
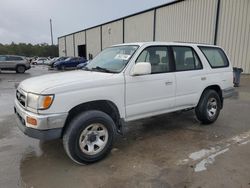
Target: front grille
<point>21,98</point>
<point>20,117</point>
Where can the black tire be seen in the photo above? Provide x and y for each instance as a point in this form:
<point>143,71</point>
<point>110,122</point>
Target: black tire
<point>76,128</point>
<point>20,69</point>
<point>209,102</point>
<point>62,67</point>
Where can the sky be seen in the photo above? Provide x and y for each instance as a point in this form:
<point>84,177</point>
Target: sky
<point>28,20</point>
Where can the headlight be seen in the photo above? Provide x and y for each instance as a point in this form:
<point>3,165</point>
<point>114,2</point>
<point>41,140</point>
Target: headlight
<point>39,102</point>
<point>32,100</point>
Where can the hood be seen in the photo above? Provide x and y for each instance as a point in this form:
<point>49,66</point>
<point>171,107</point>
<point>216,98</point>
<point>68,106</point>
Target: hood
<point>48,81</point>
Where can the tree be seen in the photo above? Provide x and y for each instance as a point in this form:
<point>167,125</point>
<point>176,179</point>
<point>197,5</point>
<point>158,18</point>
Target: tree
<point>29,50</point>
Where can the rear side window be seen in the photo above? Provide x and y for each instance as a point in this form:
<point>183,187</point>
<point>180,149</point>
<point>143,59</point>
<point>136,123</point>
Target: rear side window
<point>215,56</point>
<point>15,58</point>
<point>186,59</point>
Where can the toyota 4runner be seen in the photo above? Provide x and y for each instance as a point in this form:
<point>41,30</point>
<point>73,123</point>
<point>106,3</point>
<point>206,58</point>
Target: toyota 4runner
<point>123,83</point>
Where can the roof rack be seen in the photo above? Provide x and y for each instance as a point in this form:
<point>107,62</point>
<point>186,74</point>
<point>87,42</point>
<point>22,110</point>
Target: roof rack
<point>192,42</point>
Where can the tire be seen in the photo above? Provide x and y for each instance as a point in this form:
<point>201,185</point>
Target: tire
<point>20,69</point>
<point>209,106</point>
<point>85,142</point>
<point>60,67</point>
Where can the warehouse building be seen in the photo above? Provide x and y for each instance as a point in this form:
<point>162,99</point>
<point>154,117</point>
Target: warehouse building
<point>221,22</point>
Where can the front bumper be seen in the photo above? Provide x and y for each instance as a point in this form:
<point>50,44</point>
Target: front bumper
<point>48,127</point>
<point>229,92</point>
<point>28,66</point>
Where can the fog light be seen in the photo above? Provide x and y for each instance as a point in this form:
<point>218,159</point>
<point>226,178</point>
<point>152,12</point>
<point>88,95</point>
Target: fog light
<point>31,120</point>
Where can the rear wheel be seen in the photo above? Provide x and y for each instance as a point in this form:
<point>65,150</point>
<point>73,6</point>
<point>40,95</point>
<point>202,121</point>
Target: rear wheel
<point>208,109</point>
<point>89,137</point>
<point>20,69</point>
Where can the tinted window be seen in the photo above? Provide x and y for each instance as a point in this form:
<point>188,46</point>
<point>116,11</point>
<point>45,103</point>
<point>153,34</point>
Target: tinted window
<point>2,58</point>
<point>157,56</point>
<point>215,56</point>
<point>186,59</point>
<point>14,58</point>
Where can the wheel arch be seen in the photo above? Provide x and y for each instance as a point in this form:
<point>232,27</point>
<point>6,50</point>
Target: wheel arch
<point>216,88</point>
<point>105,106</point>
<point>20,64</point>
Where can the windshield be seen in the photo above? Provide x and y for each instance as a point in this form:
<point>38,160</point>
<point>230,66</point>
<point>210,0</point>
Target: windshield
<point>67,59</point>
<point>112,59</point>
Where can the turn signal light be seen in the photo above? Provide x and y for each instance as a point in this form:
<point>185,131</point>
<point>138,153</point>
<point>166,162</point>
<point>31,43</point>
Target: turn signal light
<point>31,120</point>
<point>47,101</point>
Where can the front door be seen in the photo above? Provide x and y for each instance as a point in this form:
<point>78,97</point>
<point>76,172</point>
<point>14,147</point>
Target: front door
<point>3,62</point>
<point>154,93</point>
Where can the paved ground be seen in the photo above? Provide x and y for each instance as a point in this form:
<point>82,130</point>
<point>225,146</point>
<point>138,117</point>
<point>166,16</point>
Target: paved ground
<point>173,150</point>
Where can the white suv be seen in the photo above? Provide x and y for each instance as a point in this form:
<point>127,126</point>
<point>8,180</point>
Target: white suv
<point>123,83</point>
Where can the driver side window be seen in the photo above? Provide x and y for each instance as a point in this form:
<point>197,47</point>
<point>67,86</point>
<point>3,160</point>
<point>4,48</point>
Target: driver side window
<point>158,57</point>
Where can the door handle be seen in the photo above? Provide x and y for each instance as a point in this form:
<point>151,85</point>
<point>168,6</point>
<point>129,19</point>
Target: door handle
<point>168,83</point>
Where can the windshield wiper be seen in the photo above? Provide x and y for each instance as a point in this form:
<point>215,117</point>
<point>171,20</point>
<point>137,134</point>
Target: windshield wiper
<point>102,69</point>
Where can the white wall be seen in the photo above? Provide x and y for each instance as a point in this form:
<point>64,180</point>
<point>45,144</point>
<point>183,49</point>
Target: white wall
<point>61,46</point>
<point>234,32</point>
<point>139,28</point>
<point>70,45</point>
<point>188,21</point>
<point>93,41</point>
<point>112,33</point>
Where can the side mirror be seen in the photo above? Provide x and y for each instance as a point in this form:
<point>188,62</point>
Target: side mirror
<point>141,68</point>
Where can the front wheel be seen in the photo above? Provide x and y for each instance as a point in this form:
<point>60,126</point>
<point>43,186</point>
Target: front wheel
<point>89,137</point>
<point>208,108</point>
<point>20,69</point>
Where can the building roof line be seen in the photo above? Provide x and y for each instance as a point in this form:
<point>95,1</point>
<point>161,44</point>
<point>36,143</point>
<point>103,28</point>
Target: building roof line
<point>124,17</point>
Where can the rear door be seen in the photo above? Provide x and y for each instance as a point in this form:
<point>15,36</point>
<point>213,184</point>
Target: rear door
<point>190,76</point>
<point>13,61</point>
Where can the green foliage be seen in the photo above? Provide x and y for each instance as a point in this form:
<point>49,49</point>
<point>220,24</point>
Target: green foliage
<point>29,50</point>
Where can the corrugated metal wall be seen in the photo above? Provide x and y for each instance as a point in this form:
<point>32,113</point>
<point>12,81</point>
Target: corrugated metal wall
<point>61,46</point>
<point>112,33</point>
<point>70,45</point>
<point>189,21</point>
<point>93,41</point>
<point>234,31</point>
<point>79,40</point>
<point>139,27</point>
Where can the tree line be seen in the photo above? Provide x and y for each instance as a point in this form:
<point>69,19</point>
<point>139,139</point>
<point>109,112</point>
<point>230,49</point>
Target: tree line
<point>29,50</point>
